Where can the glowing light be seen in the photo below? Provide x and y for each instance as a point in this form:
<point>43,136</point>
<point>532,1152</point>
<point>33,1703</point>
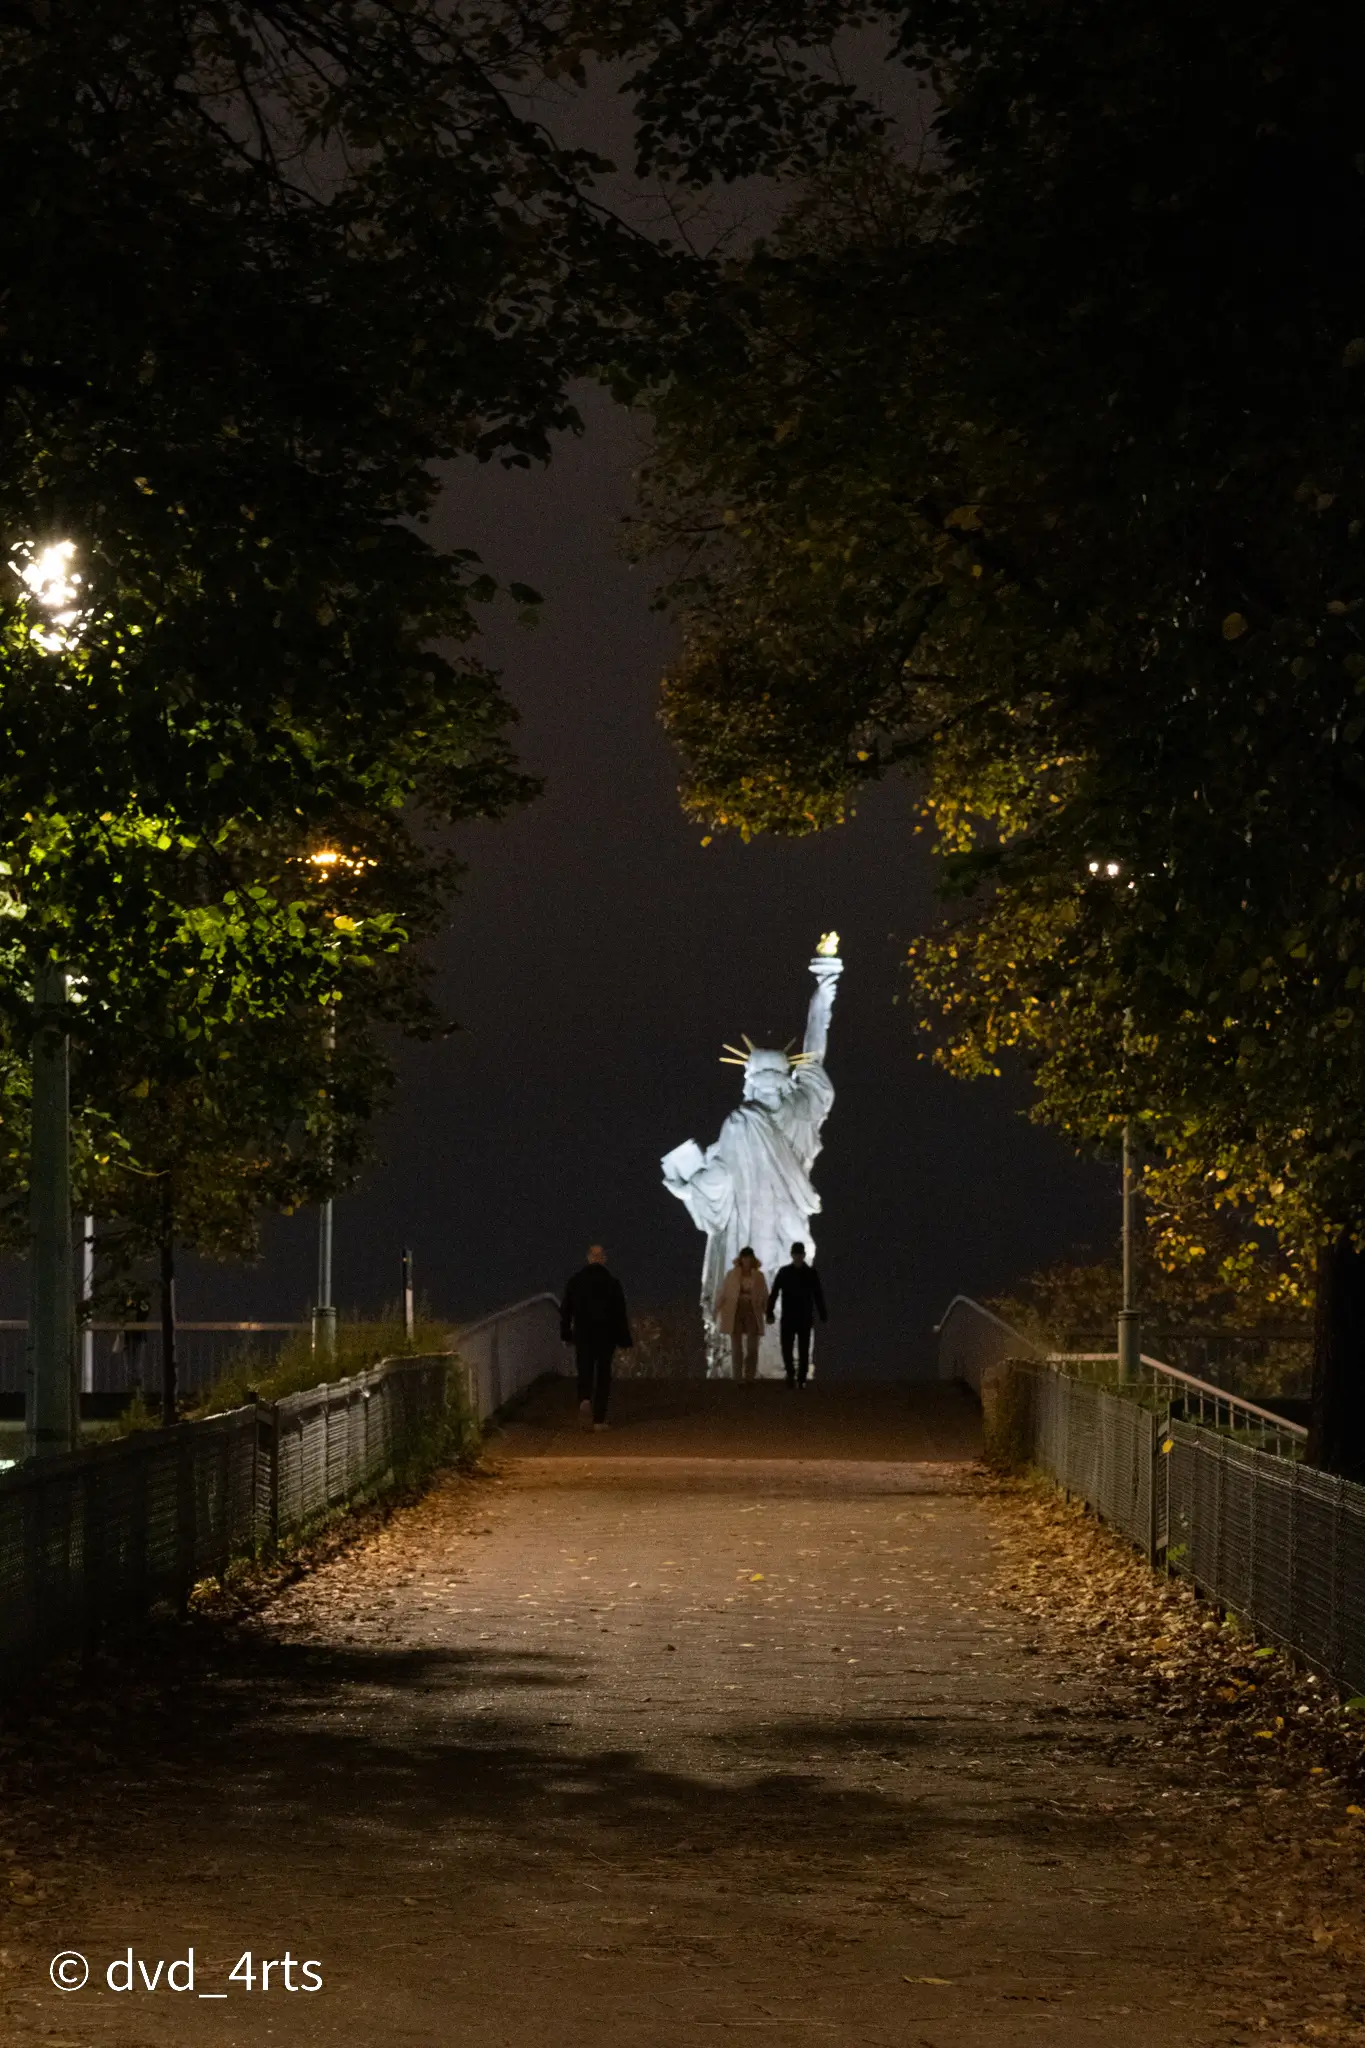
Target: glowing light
<point>51,580</point>
<point>828,947</point>
<point>327,859</point>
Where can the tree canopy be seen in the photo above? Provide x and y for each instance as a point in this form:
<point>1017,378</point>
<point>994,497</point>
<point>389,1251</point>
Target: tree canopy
<point>1028,455</point>
<point>266,266</point>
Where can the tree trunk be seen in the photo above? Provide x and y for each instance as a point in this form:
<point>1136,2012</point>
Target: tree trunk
<point>169,1391</point>
<point>1336,1435</point>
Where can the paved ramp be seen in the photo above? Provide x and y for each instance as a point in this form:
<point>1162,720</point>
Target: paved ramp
<point>708,1727</point>
<point>926,1421</point>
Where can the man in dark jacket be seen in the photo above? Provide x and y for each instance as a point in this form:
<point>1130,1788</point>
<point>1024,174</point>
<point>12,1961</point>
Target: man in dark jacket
<point>797,1288</point>
<point>592,1317</point>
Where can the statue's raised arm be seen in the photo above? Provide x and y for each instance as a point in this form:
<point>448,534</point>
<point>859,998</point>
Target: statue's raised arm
<point>826,967</point>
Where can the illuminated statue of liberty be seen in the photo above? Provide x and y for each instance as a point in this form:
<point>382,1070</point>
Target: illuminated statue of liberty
<point>753,1186</point>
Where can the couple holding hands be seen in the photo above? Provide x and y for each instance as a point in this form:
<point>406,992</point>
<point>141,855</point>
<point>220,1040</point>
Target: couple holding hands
<point>746,1302</point>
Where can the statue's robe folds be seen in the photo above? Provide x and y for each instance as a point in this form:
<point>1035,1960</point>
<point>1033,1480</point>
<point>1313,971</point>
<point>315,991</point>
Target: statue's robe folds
<point>755,1189</point>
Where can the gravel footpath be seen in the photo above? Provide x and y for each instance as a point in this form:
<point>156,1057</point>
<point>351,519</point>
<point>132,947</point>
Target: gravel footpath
<point>747,1716</point>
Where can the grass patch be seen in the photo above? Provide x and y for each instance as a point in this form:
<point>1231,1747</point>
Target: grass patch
<point>296,1366</point>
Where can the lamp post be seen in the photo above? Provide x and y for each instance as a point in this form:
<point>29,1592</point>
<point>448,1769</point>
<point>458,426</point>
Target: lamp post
<point>51,1408</point>
<point>325,863</point>
<point>87,1305</point>
<point>409,1317</point>
<point>324,1311</point>
<point>1130,1316</point>
<point>52,1402</point>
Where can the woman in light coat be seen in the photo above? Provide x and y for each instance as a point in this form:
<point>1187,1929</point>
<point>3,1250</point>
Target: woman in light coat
<point>741,1307</point>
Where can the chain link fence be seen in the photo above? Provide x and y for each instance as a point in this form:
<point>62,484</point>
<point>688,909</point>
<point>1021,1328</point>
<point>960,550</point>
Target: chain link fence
<point>91,1541</point>
<point>330,1444</point>
<point>1097,1444</point>
<point>1264,1535</point>
<point>1274,1541</point>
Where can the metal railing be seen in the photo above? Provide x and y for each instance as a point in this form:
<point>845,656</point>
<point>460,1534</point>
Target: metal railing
<point>1096,1443</point>
<point>128,1355</point>
<point>505,1353</point>
<point>91,1541</point>
<point>334,1442</point>
<point>1207,1482</point>
<point>972,1339</point>
<point>1272,1540</point>
<point>1245,1361</point>
<point>1201,1401</point>
<point>1264,1535</point>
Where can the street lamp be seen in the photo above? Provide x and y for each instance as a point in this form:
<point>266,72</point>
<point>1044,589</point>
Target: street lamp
<point>324,1309</point>
<point>52,1404</point>
<point>326,863</point>
<point>1130,1316</point>
<point>51,1407</point>
<point>54,585</point>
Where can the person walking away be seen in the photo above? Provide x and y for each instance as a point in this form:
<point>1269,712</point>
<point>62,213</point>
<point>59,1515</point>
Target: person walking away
<point>797,1291</point>
<point>592,1317</point>
<point>740,1307</point>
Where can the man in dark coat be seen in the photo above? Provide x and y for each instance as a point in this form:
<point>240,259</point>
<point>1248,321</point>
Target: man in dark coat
<point>592,1317</point>
<point>798,1291</point>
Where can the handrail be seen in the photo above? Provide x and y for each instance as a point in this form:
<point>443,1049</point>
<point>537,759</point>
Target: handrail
<point>154,1329</point>
<point>1248,1414</point>
<point>1188,1379</point>
<point>966,1301</point>
<point>500,1315</point>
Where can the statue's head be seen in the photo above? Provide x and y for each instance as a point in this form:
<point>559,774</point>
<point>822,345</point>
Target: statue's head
<point>767,1073</point>
<point>767,1076</point>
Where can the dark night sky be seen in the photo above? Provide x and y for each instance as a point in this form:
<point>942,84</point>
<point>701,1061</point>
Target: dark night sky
<point>598,958</point>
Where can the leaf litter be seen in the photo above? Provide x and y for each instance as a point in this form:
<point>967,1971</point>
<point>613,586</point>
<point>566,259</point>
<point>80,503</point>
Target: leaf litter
<point>1263,1808</point>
